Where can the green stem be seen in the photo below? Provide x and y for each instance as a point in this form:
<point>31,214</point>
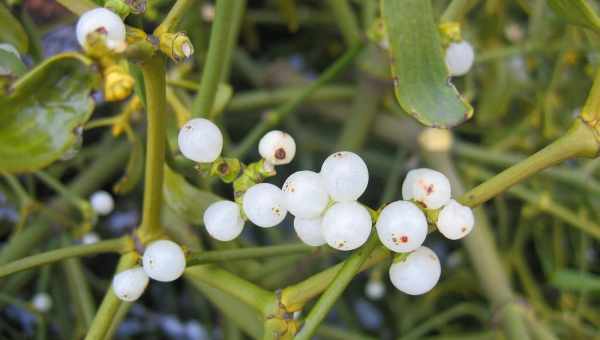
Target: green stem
<point>79,291</point>
<point>203,257</point>
<point>214,66</point>
<point>457,10</point>
<point>116,320</point>
<point>223,280</point>
<point>174,16</point>
<point>591,110</point>
<point>63,191</point>
<point>78,6</point>
<point>154,81</point>
<point>239,8</point>
<point>280,113</point>
<point>110,304</point>
<point>579,141</point>
<point>346,20</point>
<point>294,297</point>
<point>116,245</point>
<point>545,203</point>
<point>336,288</point>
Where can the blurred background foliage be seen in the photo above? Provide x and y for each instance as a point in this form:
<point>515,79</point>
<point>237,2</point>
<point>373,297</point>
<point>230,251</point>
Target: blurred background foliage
<point>533,72</point>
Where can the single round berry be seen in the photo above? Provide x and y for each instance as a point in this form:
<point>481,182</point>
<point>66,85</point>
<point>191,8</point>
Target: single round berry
<point>455,220</point>
<point>345,176</point>
<point>309,231</point>
<point>304,194</point>
<point>277,147</point>
<point>375,289</point>
<point>459,58</point>
<point>102,202</point>
<point>223,220</point>
<point>104,21</point>
<point>90,238</point>
<point>129,285</point>
<point>418,273</point>
<point>163,261</point>
<point>263,205</point>
<point>42,302</point>
<point>401,226</point>
<point>428,187</point>
<point>200,140</point>
<point>346,225</point>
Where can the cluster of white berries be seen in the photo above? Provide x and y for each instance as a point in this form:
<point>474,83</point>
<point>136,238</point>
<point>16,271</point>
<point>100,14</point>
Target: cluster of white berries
<point>460,57</point>
<point>103,21</point>
<point>163,261</point>
<point>326,210</point>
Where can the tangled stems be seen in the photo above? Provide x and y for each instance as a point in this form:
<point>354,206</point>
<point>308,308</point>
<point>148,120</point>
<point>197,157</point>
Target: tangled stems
<point>116,245</point>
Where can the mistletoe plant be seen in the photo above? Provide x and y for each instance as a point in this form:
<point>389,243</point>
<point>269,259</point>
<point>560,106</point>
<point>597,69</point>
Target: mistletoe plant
<point>47,109</point>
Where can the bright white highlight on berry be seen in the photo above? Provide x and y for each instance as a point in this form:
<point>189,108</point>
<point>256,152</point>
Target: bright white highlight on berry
<point>418,274</point>
<point>401,226</point>
<point>345,175</point>
<point>427,186</point>
<point>163,261</point>
<point>42,302</point>
<point>223,220</point>
<point>455,220</point>
<point>277,147</point>
<point>459,58</point>
<point>200,140</point>
<point>102,202</point>
<point>375,289</point>
<point>103,21</point>
<point>90,238</point>
<point>346,225</point>
<point>264,206</point>
<point>309,231</point>
<point>129,285</point>
<point>304,194</point>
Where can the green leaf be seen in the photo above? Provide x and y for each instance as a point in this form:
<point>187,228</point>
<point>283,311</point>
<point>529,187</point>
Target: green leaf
<point>577,12</point>
<point>575,281</point>
<point>187,201</point>
<point>417,62</point>
<point>11,64</point>
<point>42,110</point>
<point>11,31</point>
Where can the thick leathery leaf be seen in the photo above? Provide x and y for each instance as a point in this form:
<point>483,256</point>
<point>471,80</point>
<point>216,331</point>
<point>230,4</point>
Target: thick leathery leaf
<point>187,201</point>
<point>575,281</point>
<point>11,64</point>
<point>11,31</point>
<point>577,12</point>
<point>42,110</point>
<point>421,79</point>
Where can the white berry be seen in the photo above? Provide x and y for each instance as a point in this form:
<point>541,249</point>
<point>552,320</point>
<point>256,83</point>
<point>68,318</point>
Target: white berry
<point>459,58</point>
<point>304,194</point>
<point>42,302</point>
<point>375,289</point>
<point>345,175</point>
<point>163,261</point>
<point>455,220</point>
<point>102,202</point>
<point>426,186</point>
<point>401,226</point>
<point>104,21</point>
<point>263,205</point>
<point>223,220</point>
<point>277,147</point>
<point>346,225</point>
<point>129,285</point>
<point>90,238</point>
<point>200,140</point>
<point>418,273</point>
<point>309,231</point>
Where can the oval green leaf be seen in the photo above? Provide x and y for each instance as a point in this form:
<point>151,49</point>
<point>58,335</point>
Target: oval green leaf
<point>11,31</point>
<point>42,110</point>
<point>421,79</point>
<point>187,201</point>
<point>577,12</point>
